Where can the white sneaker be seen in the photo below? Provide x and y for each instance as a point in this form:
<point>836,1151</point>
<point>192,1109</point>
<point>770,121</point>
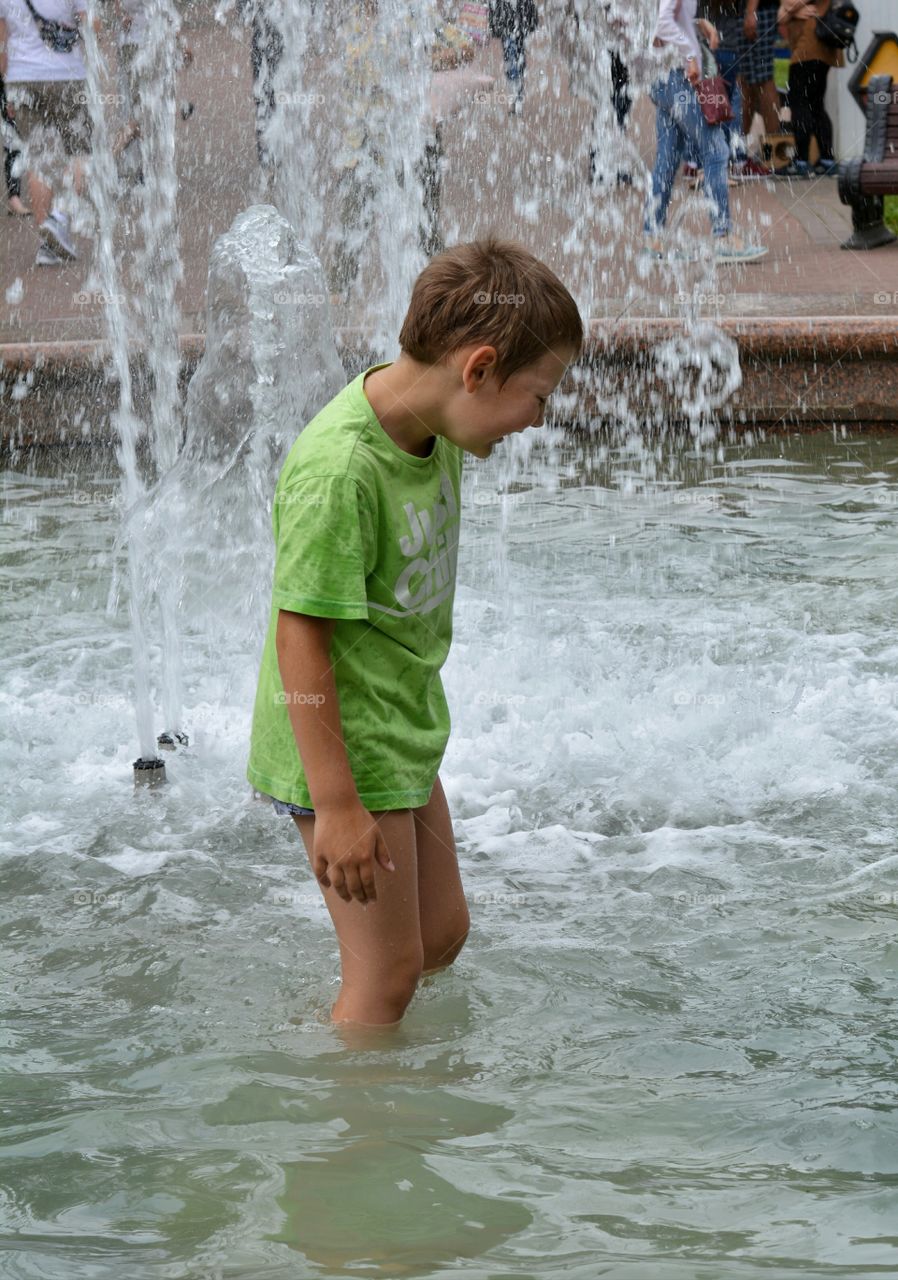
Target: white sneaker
<point>55,234</point>
<point>737,249</point>
<point>47,258</point>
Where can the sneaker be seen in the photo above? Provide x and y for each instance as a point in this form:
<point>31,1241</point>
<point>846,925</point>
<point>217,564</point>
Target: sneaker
<point>794,169</point>
<point>55,234</point>
<point>749,168</point>
<point>826,168</point>
<point>47,258</point>
<point>736,249</point>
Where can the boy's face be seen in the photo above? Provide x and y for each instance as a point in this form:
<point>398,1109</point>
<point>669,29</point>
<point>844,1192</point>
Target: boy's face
<point>479,413</point>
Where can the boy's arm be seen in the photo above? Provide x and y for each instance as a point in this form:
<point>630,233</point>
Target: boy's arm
<point>303,649</point>
<point>4,55</point>
<point>347,840</point>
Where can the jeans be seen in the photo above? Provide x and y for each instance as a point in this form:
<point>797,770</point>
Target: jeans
<point>679,122</point>
<point>728,65</point>
<point>515,61</point>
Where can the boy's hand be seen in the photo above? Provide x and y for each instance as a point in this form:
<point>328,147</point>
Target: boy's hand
<point>346,844</point>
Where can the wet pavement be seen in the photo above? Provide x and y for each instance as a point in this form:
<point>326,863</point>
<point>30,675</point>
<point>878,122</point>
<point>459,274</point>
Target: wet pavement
<point>805,274</point>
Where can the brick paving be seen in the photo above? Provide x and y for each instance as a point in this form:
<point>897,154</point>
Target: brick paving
<point>805,274</point>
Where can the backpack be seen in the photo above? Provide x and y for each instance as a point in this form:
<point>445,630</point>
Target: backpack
<point>837,26</point>
<point>55,35</point>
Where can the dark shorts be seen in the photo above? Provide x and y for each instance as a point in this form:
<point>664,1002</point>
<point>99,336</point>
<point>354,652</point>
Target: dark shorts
<point>56,105</point>
<point>756,56</point>
<point>283,806</point>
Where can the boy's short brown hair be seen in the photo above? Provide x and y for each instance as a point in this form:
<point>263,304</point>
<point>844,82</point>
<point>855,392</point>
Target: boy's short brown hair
<point>495,292</point>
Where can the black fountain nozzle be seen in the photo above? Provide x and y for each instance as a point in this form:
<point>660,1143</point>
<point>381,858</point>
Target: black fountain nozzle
<point>168,741</point>
<point>149,771</point>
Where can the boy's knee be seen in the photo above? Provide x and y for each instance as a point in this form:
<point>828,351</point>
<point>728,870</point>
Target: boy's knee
<point>442,953</point>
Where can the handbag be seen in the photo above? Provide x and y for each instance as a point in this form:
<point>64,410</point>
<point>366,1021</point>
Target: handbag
<point>837,26</point>
<point>55,35</point>
<point>711,91</point>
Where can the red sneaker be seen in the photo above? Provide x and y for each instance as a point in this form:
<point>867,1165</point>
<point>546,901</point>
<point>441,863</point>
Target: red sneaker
<point>750,168</point>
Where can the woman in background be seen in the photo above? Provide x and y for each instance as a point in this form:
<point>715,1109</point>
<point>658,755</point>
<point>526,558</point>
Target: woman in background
<point>808,70</point>
<point>512,21</point>
<point>680,124</point>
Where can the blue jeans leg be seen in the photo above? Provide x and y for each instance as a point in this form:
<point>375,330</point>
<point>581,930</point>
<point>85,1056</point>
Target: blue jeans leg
<point>679,122</point>
<point>515,61</point>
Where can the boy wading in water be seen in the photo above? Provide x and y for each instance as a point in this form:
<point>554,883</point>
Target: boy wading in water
<point>350,720</point>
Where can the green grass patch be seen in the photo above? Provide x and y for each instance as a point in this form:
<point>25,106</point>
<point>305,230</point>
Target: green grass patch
<point>891,213</point>
<point>781,73</point>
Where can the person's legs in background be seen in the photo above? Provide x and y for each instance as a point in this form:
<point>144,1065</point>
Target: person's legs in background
<point>620,89</point>
<point>515,54</point>
<point>799,103</point>
<point>621,101</point>
<point>265,55</point>
<point>756,65</point>
<point>671,141</point>
<point>821,124</point>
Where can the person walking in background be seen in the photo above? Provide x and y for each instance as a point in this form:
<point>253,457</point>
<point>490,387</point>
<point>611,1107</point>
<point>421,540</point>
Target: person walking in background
<point>512,21</point>
<point>757,42</point>
<point>680,124</point>
<point>11,153</point>
<point>130,18</point>
<point>728,16</point>
<point>808,70</point>
<point>47,101</point>
<point>582,36</point>
<point>266,51</point>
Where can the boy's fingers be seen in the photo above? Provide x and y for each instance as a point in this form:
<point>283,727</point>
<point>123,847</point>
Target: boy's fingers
<point>382,854</point>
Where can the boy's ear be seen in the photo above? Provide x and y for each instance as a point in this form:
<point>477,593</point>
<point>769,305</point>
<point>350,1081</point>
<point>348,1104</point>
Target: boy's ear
<point>480,363</point>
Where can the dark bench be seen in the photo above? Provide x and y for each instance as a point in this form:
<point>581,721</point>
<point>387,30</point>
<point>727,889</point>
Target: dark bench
<point>864,182</point>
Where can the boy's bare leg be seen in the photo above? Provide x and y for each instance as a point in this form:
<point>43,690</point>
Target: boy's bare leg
<point>380,944</point>
<point>441,899</point>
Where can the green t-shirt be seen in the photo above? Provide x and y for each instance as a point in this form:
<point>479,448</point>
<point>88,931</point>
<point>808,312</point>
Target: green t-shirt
<point>367,534</point>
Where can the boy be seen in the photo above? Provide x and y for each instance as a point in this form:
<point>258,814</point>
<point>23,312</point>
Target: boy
<point>350,721</point>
